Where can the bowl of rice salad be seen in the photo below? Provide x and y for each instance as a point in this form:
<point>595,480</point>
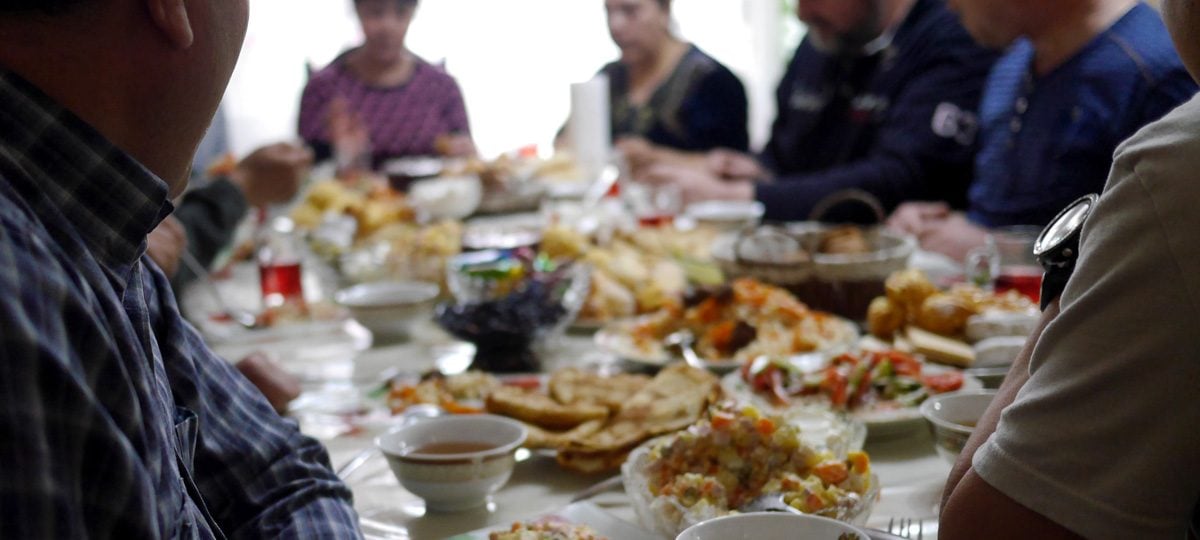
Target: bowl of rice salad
<point>734,455</point>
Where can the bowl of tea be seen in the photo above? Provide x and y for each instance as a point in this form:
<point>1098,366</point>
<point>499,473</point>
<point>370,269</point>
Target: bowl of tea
<point>454,462</point>
<point>952,418</point>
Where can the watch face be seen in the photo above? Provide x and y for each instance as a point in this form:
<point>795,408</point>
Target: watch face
<point>1066,223</point>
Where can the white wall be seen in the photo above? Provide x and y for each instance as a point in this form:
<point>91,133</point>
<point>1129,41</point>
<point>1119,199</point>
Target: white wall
<point>514,59</point>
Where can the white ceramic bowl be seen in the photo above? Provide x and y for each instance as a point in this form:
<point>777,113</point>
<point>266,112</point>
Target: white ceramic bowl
<point>451,482</point>
<point>726,214</point>
<point>389,308</point>
<point>771,526</point>
<point>446,197</point>
<point>952,418</point>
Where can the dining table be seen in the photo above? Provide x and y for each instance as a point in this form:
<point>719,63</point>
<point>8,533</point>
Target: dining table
<point>910,472</point>
<point>345,373</point>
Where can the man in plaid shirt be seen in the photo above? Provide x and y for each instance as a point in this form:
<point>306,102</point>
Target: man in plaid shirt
<point>115,419</point>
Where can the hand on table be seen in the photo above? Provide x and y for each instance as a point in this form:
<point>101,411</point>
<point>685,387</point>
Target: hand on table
<point>455,145</point>
<point>914,217</point>
<point>277,385</point>
<point>733,165</point>
<point>643,154</point>
<point>697,185</point>
<point>273,173</point>
<point>953,235</point>
<point>165,245</point>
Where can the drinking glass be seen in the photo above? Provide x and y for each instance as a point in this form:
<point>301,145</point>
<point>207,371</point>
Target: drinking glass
<point>1006,262</point>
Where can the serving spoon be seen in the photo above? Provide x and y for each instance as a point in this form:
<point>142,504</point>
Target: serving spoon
<point>683,340</point>
<point>243,318</point>
<point>768,502</point>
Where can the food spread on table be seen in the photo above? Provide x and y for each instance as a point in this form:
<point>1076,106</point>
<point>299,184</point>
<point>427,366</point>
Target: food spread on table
<point>734,455</point>
<point>937,323</point>
<point>547,530</point>
<point>863,380</point>
<point>591,420</point>
<point>739,322</point>
<point>684,453</point>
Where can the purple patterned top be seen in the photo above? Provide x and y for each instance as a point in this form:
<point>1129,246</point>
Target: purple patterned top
<point>403,120</point>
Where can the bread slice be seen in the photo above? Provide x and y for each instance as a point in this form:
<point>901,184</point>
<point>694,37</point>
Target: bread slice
<point>541,410</point>
<point>940,348</point>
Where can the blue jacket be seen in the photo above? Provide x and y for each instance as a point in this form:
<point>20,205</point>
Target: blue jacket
<point>1048,139</point>
<point>899,124</point>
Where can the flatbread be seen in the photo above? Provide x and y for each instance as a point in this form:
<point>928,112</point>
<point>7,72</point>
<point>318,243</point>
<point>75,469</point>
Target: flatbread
<point>673,400</point>
<point>543,438</point>
<point>541,410</point>
<point>576,386</point>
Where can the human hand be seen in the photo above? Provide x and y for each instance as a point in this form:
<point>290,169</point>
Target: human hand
<point>272,174</point>
<point>165,245</point>
<point>953,236</point>
<point>277,385</point>
<point>913,217</point>
<point>638,152</point>
<point>454,145</point>
<point>697,185</point>
<point>730,164</point>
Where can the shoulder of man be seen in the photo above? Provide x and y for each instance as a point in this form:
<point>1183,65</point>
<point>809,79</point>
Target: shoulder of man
<point>1171,143</point>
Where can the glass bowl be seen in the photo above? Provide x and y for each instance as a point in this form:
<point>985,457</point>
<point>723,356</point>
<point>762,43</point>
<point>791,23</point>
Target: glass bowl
<point>505,310</point>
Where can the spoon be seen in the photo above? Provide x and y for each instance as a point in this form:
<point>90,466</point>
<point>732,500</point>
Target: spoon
<point>682,340</point>
<point>608,176</point>
<point>244,318</point>
<point>411,415</point>
<point>768,502</point>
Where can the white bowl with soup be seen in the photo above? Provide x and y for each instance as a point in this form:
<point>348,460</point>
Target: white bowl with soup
<point>952,418</point>
<point>454,462</point>
<point>772,526</point>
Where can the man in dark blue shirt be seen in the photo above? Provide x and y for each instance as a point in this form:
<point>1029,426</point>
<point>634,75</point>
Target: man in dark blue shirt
<point>879,97</point>
<point>1056,105</point>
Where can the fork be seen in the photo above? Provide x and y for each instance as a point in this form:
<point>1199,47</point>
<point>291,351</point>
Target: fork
<point>906,528</point>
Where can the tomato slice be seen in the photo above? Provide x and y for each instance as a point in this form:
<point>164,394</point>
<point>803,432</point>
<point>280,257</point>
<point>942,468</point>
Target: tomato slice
<point>903,364</point>
<point>943,382</point>
<point>835,386</point>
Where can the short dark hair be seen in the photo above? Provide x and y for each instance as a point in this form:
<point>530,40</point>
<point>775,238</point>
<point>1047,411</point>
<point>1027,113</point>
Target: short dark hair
<point>403,3</point>
<point>48,7</point>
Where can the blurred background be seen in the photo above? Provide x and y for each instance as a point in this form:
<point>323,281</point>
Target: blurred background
<point>514,59</point>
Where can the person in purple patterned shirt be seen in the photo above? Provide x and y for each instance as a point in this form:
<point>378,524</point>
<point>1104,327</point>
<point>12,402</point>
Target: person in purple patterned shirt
<point>380,98</point>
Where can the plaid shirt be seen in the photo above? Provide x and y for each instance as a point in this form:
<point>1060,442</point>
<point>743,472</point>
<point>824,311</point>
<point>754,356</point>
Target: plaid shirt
<point>116,421</point>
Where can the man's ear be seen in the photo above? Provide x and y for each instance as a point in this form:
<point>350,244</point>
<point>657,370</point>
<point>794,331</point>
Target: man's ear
<point>171,17</point>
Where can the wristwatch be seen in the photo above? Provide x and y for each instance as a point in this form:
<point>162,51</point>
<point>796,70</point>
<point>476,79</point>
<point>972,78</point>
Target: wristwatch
<point>1057,247</point>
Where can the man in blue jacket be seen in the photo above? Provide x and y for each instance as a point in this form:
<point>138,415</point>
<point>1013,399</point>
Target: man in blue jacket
<point>880,96</point>
<point>1078,78</point>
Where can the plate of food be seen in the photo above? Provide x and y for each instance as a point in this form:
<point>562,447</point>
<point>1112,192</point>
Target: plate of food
<point>725,461</point>
<point>882,388</point>
<point>727,326</point>
<point>577,521</point>
<point>588,421</point>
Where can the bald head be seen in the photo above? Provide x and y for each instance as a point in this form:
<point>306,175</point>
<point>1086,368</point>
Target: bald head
<point>147,74</point>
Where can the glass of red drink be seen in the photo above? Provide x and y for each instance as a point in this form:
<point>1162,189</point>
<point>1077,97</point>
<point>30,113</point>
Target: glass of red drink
<point>655,206</point>
<point>1006,262</point>
<point>280,271</point>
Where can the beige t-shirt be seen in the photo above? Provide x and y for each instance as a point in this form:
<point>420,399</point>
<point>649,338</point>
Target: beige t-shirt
<point>1105,437</point>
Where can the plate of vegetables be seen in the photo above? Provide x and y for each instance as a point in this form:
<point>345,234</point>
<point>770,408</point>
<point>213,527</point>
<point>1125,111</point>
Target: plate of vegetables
<point>882,388</point>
